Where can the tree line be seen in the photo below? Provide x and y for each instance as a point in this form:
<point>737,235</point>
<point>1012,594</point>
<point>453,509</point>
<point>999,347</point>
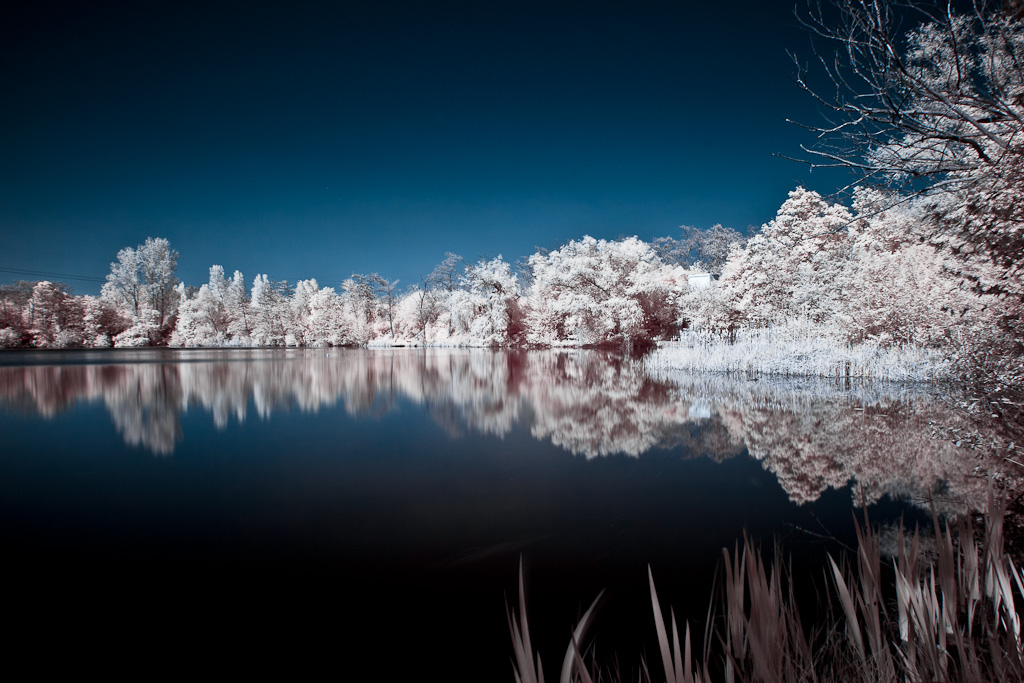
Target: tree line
<point>867,273</point>
<point>587,292</point>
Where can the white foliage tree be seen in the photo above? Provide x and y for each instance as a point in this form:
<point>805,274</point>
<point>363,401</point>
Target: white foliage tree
<point>326,324</point>
<point>204,319</point>
<point>56,317</point>
<point>124,284</point>
<point>142,283</point>
<point>595,291</point>
<point>444,281</point>
<point>157,263</point>
<point>901,289</point>
<point>493,297</point>
<point>101,321</point>
<point>359,309</point>
<point>269,306</point>
<point>299,331</point>
<point>790,268</point>
<point>236,305</point>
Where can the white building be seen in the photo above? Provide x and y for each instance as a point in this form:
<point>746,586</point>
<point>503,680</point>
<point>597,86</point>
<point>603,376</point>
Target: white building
<point>699,281</point>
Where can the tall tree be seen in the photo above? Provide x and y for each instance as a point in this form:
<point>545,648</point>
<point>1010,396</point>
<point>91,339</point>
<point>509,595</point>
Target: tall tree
<point>445,280</point>
<point>268,303</point>
<point>790,267</point>
<point>142,281</point>
<point>378,289</point>
<point>493,292</point>
<point>158,263</point>
<point>56,316</point>
<point>124,284</point>
<point>236,303</point>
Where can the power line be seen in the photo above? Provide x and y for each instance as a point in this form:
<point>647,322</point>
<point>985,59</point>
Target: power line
<point>52,275</point>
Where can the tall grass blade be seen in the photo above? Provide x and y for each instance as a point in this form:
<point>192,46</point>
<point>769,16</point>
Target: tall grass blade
<point>572,654</point>
<point>574,657</point>
<point>687,663</point>
<point>659,627</point>
<point>852,625</point>
<point>526,671</point>
<point>677,664</point>
<point>677,661</point>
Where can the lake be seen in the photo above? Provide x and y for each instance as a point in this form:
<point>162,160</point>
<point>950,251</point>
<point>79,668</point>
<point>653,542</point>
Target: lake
<point>286,510</point>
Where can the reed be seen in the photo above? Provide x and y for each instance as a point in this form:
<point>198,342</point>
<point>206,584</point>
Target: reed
<point>527,665</point>
<point>795,350</point>
<point>952,619</point>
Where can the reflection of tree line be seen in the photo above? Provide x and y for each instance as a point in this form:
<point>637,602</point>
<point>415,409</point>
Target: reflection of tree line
<point>812,438</point>
<point>822,435</point>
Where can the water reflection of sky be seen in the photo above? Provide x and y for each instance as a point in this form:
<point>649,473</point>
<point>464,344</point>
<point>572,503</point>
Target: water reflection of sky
<point>811,437</point>
<point>400,487</point>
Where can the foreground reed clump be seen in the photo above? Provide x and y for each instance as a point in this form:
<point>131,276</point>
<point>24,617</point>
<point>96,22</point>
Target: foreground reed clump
<point>952,618</point>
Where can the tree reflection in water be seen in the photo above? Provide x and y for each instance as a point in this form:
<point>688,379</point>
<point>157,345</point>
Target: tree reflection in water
<point>812,436</point>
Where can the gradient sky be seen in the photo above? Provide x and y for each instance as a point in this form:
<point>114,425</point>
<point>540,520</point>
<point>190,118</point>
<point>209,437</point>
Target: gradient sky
<point>322,139</point>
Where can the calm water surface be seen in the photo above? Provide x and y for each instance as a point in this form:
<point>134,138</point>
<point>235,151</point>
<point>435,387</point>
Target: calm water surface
<point>316,507</point>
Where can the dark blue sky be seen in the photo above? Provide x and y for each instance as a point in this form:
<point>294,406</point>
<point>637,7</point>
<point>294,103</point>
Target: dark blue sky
<point>324,139</point>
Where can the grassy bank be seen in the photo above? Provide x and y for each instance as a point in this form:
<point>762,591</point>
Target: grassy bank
<point>795,351</point>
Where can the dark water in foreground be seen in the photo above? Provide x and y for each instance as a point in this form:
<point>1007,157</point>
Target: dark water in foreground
<point>290,510</point>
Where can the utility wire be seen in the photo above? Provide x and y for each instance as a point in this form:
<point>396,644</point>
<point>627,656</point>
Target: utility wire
<point>51,275</point>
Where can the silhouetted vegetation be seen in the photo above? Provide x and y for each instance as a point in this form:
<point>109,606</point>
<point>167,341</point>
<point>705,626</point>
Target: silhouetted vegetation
<point>950,615</point>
